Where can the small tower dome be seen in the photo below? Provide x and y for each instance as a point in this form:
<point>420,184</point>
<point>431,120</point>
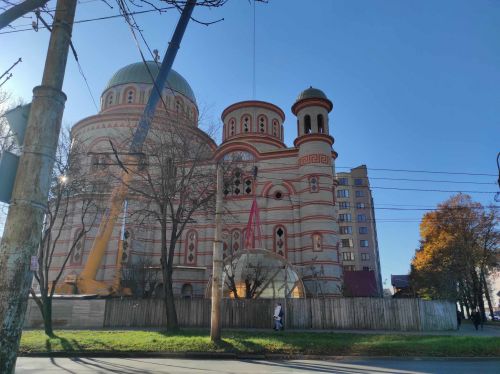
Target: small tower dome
<point>311,108</point>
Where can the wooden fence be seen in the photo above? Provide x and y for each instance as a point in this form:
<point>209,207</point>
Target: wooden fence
<point>335,313</point>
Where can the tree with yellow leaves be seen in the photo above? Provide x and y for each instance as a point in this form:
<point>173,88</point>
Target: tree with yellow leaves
<point>458,249</point>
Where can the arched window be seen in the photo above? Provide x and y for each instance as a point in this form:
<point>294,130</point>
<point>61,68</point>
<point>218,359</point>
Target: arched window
<point>187,291</point>
<point>179,107</point>
<point>321,125</point>
<point>235,240</point>
<point>232,127</point>
<point>262,121</point>
<point>279,238</point>
<point>317,242</point>
<point>226,244</point>
<point>248,186</point>
<point>130,96</point>
<point>307,124</point>
<point>313,183</point>
<point>245,124</point>
<point>77,254</point>
<point>275,128</point>
<point>109,99</point>
<point>191,247</point>
<point>237,185</point>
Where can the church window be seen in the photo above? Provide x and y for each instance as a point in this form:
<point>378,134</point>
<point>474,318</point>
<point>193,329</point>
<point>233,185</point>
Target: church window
<point>246,124</point>
<point>321,125</point>
<point>130,96</point>
<point>248,186</point>
<point>317,242</point>
<point>262,124</point>
<point>110,99</point>
<point>77,255</point>
<point>275,127</point>
<point>307,124</point>
<point>232,127</point>
<point>314,184</point>
<point>178,106</point>
<point>191,247</point>
<point>237,182</point>
<point>226,244</point>
<point>235,240</point>
<point>278,195</point>
<point>280,240</point>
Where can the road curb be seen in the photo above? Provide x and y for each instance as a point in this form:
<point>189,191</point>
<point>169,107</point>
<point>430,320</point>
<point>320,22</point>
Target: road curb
<point>236,356</point>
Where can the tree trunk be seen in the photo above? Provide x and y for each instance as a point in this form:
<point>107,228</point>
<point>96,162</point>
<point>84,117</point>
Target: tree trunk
<point>172,323</point>
<point>487,294</point>
<point>47,316</point>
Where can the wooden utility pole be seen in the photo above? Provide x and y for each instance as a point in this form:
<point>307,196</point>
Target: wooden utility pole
<point>25,217</point>
<point>217,263</point>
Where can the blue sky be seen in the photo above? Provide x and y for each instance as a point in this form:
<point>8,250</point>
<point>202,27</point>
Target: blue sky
<point>415,85</point>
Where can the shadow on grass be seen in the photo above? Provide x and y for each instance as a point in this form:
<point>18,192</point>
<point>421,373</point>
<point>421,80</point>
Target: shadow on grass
<point>56,342</point>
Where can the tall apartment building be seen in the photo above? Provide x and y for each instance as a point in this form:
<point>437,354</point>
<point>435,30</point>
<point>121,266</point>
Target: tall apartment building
<point>358,233</point>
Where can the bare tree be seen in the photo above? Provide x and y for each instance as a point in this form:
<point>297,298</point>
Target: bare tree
<point>252,280</point>
<point>7,140</point>
<point>172,181</point>
<point>11,11</point>
<point>74,200</point>
<point>141,277</point>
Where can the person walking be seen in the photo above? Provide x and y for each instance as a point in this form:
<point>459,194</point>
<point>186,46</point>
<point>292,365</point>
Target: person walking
<point>278,313</point>
<point>476,319</point>
<point>459,319</point>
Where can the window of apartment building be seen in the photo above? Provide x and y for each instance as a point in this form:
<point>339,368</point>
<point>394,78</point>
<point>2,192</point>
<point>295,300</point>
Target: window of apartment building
<point>344,205</point>
<point>360,193</point>
<point>342,193</point>
<point>363,243</point>
<point>343,181</point>
<point>345,217</point>
<point>360,205</point>
<point>348,267</point>
<point>366,268</point>
<point>347,243</point>
<point>361,217</point>
<point>348,256</point>
<point>365,256</point>
<point>358,181</point>
<point>363,230</point>
<point>346,229</point>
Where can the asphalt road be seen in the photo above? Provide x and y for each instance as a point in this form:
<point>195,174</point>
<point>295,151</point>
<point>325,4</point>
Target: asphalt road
<point>86,365</point>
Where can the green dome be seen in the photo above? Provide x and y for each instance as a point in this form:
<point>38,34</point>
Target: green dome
<point>311,93</point>
<point>137,73</point>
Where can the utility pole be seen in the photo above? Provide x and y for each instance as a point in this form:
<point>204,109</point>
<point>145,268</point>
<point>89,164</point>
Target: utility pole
<point>25,217</point>
<point>217,263</point>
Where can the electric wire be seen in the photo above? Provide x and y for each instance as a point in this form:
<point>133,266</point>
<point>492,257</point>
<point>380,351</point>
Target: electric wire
<point>98,18</point>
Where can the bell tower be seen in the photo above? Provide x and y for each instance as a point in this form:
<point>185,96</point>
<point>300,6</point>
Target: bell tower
<point>316,159</point>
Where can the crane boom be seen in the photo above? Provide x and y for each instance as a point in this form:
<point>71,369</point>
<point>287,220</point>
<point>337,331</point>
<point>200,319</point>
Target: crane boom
<point>86,282</point>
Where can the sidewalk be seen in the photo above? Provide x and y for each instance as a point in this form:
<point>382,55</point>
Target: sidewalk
<point>467,329</point>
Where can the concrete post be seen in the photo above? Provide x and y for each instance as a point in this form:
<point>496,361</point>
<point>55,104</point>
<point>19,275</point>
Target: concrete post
<point>25,217</point>
<point>217,263</point>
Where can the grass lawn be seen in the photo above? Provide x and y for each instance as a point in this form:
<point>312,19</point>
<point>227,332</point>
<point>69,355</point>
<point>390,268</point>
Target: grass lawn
<point>260,343</point>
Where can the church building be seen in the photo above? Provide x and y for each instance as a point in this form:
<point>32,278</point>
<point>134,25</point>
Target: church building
<point>294,187</point>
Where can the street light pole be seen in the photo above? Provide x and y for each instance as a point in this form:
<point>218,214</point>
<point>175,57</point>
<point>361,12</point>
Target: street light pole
<point>217,263</point>
<point>25,217</point>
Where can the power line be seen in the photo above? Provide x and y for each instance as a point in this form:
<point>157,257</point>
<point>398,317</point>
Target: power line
<point>423,171</point>
<point>98,18</point>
